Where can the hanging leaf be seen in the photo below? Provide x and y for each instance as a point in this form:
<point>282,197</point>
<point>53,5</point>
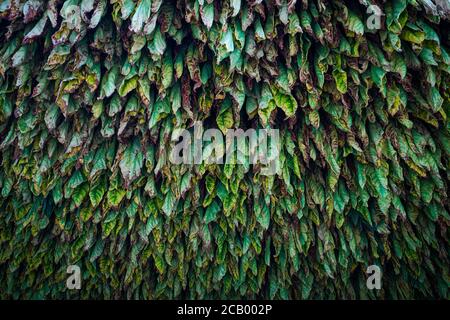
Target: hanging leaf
<point>104,105</point>
<point>132,161</point>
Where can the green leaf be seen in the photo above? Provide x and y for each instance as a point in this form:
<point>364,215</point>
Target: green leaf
<point>263,217</point>
<point>236,5</point>
<point>127,86</point>
<point>225,117</point>
<point>354,23</point>
<point>399,66</point>
<point>413,36</point>
<point>109,82</point>
<point>341,80</point>
<point>167,69</point>
<point>80,193</point>
<point>97,192</point>
<point>169,203</point>
<point>115,196</point>
<point>207,14</point>
<point>211,212</point>
<point>287,103</point>
<point>227,40</point>
<point>132,161</point>
<point>140,16</point>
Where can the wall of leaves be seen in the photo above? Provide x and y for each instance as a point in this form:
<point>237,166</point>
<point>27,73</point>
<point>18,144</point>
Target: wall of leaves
<point>92,90</point>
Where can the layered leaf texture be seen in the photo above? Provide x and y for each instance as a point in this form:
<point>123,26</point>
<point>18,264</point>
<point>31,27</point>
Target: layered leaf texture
<point>91,92</point>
